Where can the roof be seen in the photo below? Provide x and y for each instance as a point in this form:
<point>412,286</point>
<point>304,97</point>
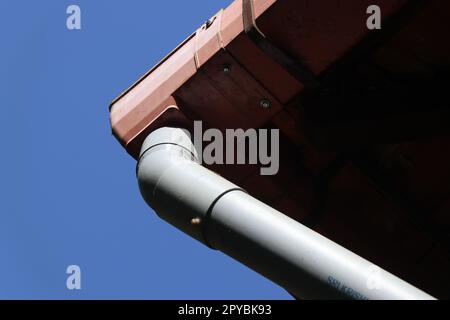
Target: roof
<point>363,114</point>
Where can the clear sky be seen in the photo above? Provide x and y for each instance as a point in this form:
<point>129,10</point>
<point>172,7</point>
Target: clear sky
<point>68,190</point>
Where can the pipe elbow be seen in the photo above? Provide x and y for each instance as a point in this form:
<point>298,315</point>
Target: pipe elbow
<point>175,185</point>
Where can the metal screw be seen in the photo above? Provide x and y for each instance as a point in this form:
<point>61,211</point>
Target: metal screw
<point>226,68</point>
<point>265,103</point>
<point>196,221</point>
<point>209,22</point>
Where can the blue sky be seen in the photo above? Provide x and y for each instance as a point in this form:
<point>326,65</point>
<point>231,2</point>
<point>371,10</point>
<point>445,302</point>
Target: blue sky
<point>68,190</point>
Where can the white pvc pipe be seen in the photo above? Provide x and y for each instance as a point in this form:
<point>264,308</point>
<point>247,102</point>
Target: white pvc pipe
<point>224,217</point>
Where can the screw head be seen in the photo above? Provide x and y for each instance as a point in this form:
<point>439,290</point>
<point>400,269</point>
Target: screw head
<point>226,68</point>
<point>209,22</point>
<point>265,103</point>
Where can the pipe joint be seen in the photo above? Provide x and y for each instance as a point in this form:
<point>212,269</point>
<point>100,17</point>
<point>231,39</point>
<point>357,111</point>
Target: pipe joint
<point>175,185</point>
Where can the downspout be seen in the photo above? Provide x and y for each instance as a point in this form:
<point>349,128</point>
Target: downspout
<point>224,217</point>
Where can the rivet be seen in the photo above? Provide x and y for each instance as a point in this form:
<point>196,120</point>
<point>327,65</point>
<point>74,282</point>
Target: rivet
<point>209,22</point>
<point>265,103</point>
<point>226,68</point>
<point>196,221</point>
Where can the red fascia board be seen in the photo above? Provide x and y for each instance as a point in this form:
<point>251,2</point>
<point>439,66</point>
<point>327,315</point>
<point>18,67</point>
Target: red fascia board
<point>147,99</point>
